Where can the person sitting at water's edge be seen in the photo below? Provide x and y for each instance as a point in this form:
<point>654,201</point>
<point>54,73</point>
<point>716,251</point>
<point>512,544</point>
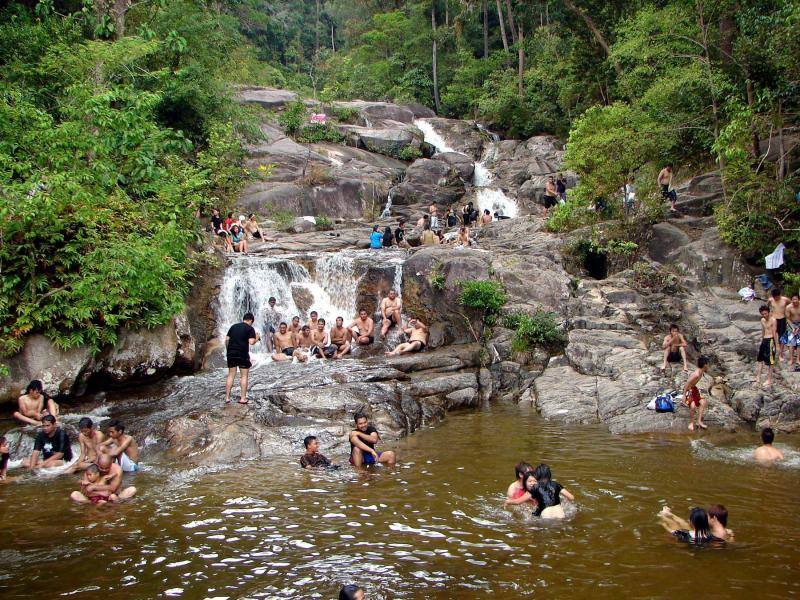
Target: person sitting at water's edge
<point>340,338</point>
<point>363,328</point>
<point>89,440</point>
<point>121,447</point>
<point>303,344</point>
<point>767,452</point>
<point>417,332</point>
<point>284,344</point>
<point>109,482</point>
<point>322,348</point>
<point>546,493</point>
<point>92,488</point>
<point>362,444</point>
<point>375,238</point>
<point>237,344</point>
<point>692,396</point>
<point>400,235</point>
<point>674,346</point>
<point>238,239</point>
<point>391,308</point>
<point>312,458</point>
<point>517,494</point>
<point>51,448</point>
<point>34,404</point>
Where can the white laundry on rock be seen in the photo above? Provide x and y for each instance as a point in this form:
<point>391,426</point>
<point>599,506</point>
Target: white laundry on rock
<point>775,260</point>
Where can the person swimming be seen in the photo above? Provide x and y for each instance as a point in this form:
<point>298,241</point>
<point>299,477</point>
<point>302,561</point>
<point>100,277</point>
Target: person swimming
<point>717,522</point>
<point>699,531</point>
<point>546,493</point>
<point>516,493</point>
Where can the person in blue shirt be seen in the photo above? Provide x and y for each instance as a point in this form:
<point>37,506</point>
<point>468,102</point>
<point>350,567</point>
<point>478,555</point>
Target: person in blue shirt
<point>375,238</point>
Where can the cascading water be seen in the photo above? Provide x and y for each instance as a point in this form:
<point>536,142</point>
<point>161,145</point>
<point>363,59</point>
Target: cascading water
<point>387,210</point>
<point>486,197</point>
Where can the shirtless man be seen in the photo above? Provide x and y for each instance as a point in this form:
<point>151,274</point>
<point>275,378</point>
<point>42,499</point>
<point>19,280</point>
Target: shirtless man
<point>769,342</point>
<point>433,211</point>
<point>665,182</point>
<point>295,327</point>
<point>89,440</point>
<point>674,348</point>
<point>93,489</point>
<point>313,317</point>
<point>691,395</point>
<point>35,404</point>
<point>322,347</point>
<point>110,482</point>
<point>549,196</point>
<point>777,305</point>
<point>486,217</point>
<point>463,237</point>
<point>340,337</point>
<point>51,447</point>
<point>362,444</point>
<point>792,336</point>
<point>121,446</point>
<point>284,344</point>
<point>363,328</point>
<point>271,320</point>
<point>417,332</point>
<point>767,453</point>
<point>390,311</point>
<point>303,344</point>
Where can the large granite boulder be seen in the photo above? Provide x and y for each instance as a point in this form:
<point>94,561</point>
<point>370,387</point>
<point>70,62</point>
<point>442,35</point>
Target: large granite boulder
<point>139,354</point>
<point>269,98</point>
<point>428,181</point>
<point>460,136</point>
<point>462,164</point>
<point>391,139</point>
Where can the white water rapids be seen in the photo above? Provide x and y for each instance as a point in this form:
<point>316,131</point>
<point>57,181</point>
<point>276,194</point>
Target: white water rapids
<point>486,196</point>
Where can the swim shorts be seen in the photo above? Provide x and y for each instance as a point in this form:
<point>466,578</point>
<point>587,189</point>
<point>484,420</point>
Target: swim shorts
<point>694,397</point>
<point>240,362</point>
<point>674,356</point>
<point>766,352</point>
<point>288,351</point>
<point>781,323</point>
<point>549,201</point>
<point>789,338</point>
<point>368,458</point>
<point>329,351</point>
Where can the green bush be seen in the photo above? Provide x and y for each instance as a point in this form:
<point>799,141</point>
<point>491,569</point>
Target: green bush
<point>323,223</point>
<point>409,153</point>
<point>343,114</point>
<point>293,117</point>
<point>319,132</point>
<point>437,278</point>
<point>656,279</point>
<point>540,329</point>
<point>486,295</point>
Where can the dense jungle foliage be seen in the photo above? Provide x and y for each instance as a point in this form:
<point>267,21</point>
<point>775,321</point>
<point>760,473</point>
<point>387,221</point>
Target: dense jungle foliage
<point>117,126</point>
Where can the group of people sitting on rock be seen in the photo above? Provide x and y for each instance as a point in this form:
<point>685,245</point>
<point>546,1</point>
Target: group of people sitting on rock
<point>235,233</point>
<point>102,458</point>
<point>363,439</point>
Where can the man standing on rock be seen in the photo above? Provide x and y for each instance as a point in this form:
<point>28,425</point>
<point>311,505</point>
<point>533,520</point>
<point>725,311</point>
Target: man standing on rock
<point>237,343</point>
<point>390,311</point>
<point>792,336</point>
<point>363,328</point>
<point>550,194</point>
<point>777,305</point>
<point>665,182</point>
<point>769,342</point>
<point>362,444</point>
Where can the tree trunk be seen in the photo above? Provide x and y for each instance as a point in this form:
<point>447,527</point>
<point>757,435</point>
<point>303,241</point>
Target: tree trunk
<point>485,29</point>
<point>781,149</point>
<point>333,37</point>
<point>750,102</point>
<point>500,17</point>
<point>727,32</point>
<point>595,32</point>
<point>435,69</point>
<point>521,62</point>
<point>514,35</point>
<point>316,30</point>
<point>447,13</point>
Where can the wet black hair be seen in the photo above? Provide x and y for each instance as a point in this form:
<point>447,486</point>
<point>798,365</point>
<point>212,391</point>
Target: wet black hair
<point>116,424</point>
<point>543,473</point>
<point>248,317</point>
<point>674,326</point>
<point>720,513</point>
<point>427,226</point>
<point>702,361</point>
<point>272,299</point>
<point>362,309</point>
<point>767,435</point>
<point>374,228</point>
<point>313,312</point>
<point>308,439</point>
<point>359,415</point>
<point>342,318</point>
<point>525,477</point>
<point>295,317</point>
<point>522,468</point>
<point>321,321</point>
<point>776,293</point>
<point>486,211</point>
<point>85,423</point>
<point>698,519</point>
<point>35,385</point>
<point>763,308</point>
<point>304,327</point>
<point>282,323</point>
<point>348,592</point>
<point>48,419</point>
<point>92,469</point>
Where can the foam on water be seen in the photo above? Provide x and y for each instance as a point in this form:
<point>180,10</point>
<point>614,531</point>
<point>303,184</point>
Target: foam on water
<point>738,455</point>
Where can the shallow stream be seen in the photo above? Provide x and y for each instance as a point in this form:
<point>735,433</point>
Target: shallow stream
<point>432,527</point>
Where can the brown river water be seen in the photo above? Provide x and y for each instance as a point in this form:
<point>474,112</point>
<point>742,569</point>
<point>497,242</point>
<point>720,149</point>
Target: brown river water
<point>432,527</point>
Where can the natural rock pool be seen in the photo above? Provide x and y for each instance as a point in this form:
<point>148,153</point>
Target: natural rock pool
<point>432,527</point>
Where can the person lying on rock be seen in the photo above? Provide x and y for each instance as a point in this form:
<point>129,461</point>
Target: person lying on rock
<point>363,328</point>
<point>417,333</point>
<point>121,446</point>
<point>341,337</point>
<point>34,404</point>
<point>322,347</point>
<point>692,396</point>
<point>391,307</point>
<point>51,447</point>
<point>312,458</point>
<point>108,484</point>
<point>284,344</point>
<point>362,444</point>
<point>89,440</point>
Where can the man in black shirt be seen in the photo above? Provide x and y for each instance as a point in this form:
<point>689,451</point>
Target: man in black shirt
<point>51,448</point>
<point>312,458</point>
<point>362,444</point>
<point>400,235</point>
<point>238,341</point>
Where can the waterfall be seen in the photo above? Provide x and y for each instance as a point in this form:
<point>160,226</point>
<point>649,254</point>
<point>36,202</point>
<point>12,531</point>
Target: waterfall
<point>431,136</point>
<point>387,210</point>
<point>336,278</point>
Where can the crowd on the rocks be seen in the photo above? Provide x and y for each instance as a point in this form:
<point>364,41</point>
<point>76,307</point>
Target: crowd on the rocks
<point>235,233</point>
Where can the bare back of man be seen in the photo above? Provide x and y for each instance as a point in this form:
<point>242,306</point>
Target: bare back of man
<point>768,453</point>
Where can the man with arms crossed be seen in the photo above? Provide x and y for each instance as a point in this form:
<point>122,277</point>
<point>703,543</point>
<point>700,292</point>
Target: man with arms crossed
<point>390,311</point>
<point>238,341</point>
<point>362,444</point>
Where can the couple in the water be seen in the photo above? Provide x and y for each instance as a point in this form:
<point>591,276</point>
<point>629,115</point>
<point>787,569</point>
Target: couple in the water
<point>536,486</point>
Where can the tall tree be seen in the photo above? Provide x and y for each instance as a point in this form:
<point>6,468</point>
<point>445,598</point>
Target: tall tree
<point>485,8</point>
<point>521,63</point>
<point>435,66</point>
<point>500,18</point>
<point>598,35</point>
<point>514,35</point>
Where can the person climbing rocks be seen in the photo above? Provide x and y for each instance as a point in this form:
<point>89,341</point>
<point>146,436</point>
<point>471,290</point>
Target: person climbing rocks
<point>665,182</point>
<point>237,344</point>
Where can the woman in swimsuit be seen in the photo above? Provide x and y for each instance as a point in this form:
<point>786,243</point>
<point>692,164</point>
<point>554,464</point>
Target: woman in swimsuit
<point>516,492</point>
<point>546,493</point>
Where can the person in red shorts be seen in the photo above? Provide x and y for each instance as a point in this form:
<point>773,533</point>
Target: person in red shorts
<point>692,396</point>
